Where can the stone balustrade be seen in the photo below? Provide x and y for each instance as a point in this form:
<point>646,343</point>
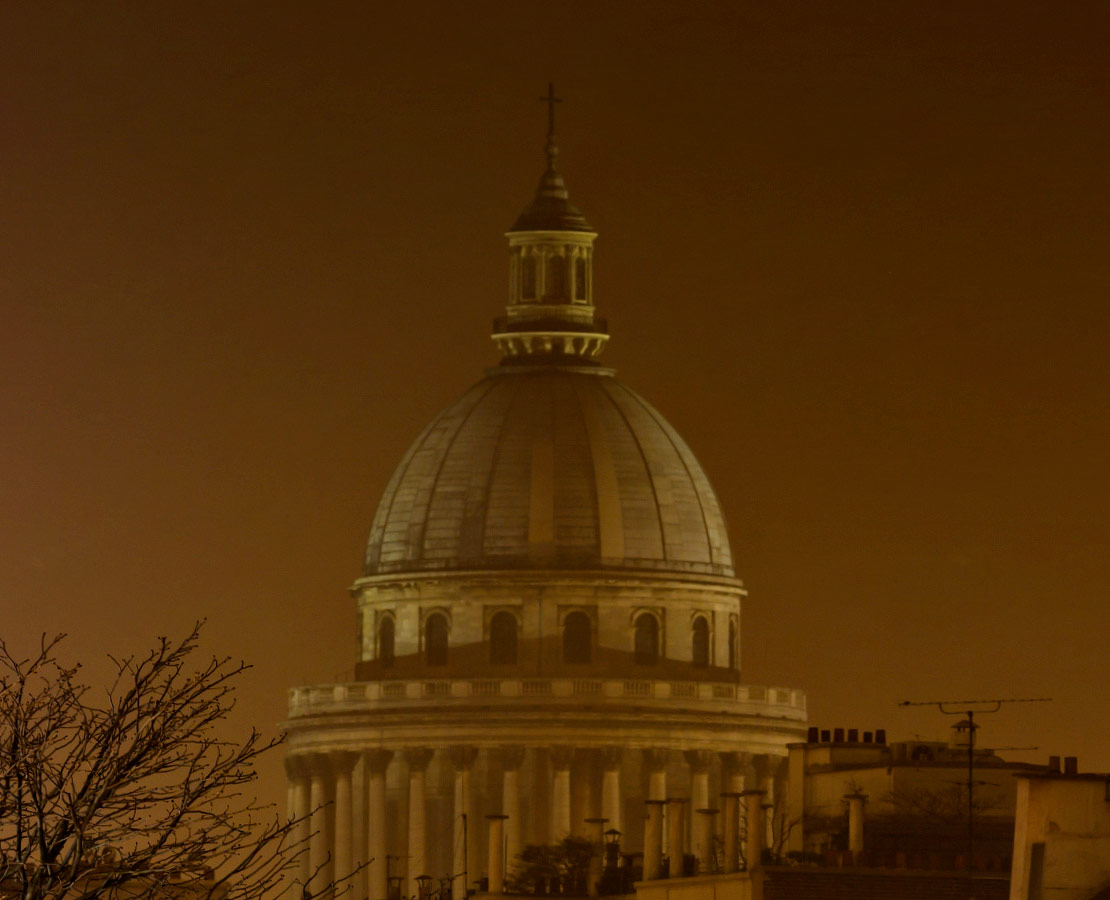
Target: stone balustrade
<point>738,698</point>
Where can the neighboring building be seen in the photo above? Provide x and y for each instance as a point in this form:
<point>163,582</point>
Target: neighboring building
<point>912,796</point>
<point>549,617</point>
<point>1062,838</point>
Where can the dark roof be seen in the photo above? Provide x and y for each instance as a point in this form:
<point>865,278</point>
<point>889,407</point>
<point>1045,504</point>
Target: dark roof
<point>550,209</point>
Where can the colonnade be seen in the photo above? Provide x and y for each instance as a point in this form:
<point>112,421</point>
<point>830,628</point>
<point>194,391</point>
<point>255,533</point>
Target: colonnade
<point>347,826</point>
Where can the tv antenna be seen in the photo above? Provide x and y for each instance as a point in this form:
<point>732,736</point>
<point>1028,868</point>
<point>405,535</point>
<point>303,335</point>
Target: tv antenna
<point>969,708</point>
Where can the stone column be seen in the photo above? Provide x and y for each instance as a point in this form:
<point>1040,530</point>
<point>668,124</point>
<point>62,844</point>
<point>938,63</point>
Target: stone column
<point>676,837</point>
<point>417,759</point>
<point>511,760</point>
<point>462,758</point>
<point>319,870</point>
<point>595,827</point>
<point>377,761</point>
<point>703,841</point>
<point>296,771</point>
<point>653,840</point>
<point>754,840</point>
<point>730,802</point>
<point>581,792</point>
<point>560,792</point>
<point>855,821</point>
<point>341,764</point>
<point>655,761</point>
<point>496,854</point>
<point>698,761</point>
<point>611,759</point>
<point>766,768</point>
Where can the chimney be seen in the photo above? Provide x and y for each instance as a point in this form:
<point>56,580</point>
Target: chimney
<point>824,735</point>
<point>855,821</point>
<point>812,735</point>
<point>853,735</point>
<point>868,737</point>
<point>880,735</point>
<point>838,735</point>
<point>1071,765</point>
<point>1054,763</point>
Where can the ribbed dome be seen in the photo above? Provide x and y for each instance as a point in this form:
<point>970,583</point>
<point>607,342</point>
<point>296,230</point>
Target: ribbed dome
<point>550,467</point>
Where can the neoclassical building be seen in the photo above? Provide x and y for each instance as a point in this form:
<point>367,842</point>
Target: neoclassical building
<point>548,613</point>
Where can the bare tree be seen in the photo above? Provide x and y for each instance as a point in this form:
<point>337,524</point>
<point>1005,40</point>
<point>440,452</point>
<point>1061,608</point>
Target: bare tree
<point>132,790</point>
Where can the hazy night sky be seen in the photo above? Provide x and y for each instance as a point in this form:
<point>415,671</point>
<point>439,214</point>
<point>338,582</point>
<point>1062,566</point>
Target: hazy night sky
<point>857,253</point>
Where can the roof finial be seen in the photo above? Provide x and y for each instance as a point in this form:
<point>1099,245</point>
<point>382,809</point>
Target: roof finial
<point>551,100</point>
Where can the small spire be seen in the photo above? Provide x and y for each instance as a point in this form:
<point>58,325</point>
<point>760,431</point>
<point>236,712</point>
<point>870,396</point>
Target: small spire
<point>551,100</point>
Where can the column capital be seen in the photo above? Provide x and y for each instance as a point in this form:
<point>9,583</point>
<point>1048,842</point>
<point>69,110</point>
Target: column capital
<point>765,765</point>
<point>462,757</point>
<point>656,760</point>
<point>611,757</point>
<point>417,758</point>
<point>561,757</point>
<point>510,756</point>
<point>733,762</point>
<point>698,760</point>
<point>378,760</point>
<point>296,767</point>
<point>342,761</point>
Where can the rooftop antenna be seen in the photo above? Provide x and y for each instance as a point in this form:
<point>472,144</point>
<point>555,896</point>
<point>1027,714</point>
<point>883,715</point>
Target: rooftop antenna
<point>969,708</point>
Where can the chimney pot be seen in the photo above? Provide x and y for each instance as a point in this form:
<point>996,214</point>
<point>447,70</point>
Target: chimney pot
<point>1054,763</point>
<point>853,735</point>
<point>880,735</point>
<point>825,736</point>
<point>1071,765</point>
<point>838,735</point>
<point>868,737</point>
<point>811,735</point>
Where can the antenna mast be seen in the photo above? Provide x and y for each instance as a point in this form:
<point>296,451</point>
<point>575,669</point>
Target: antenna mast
<point>969,708</point>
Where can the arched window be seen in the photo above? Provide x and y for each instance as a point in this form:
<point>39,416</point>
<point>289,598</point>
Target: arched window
<point>385,641</point>
<point>435,640</point>
<point>580,279</point>
<point>502,639</point>
<point>528,278</point>
<point>732,644</point>
<point>700,642</point>
<point>556,277</point>
<point>577,638</point>
<point>647,639</point>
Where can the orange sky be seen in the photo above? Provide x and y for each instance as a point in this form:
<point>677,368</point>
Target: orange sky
<point>857,257</point>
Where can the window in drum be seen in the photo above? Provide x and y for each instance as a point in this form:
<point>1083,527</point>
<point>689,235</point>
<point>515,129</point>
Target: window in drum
<point>435,640</point>
<point>700,642</point>
<point>580,279</point>
<point>386,631</point>
<point>577,638</point>
<point>502,639</point>
<point>646,641</point>
<point>732,644</point>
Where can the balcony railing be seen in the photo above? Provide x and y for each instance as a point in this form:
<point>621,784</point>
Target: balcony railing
<point>739,698</point>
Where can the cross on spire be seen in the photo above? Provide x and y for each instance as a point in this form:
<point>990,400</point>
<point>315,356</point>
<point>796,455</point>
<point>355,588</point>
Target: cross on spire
<point>551,100</point>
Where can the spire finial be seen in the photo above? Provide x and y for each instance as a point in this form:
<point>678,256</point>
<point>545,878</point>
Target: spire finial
<point>551,100</point>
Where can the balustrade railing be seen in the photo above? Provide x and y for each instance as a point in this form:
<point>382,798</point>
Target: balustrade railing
<point>322,698</point>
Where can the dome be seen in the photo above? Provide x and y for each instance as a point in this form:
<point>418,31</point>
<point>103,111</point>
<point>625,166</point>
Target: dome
<point>549,467</point>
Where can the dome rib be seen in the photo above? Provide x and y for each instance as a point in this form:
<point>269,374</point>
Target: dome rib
<point>647,470</point>
<point>696,474</point>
